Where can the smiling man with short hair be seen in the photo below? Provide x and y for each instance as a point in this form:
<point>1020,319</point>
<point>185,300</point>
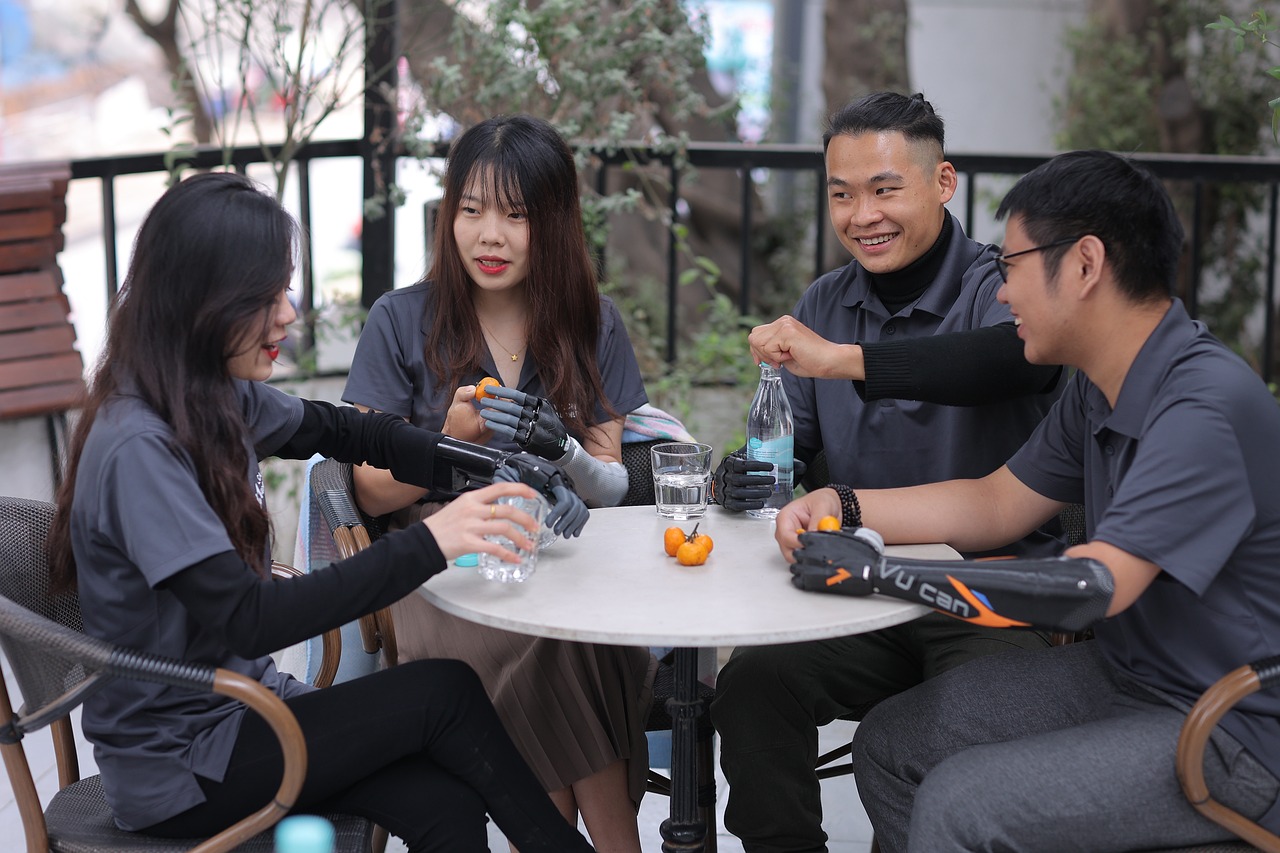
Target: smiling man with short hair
<point>904,368</point>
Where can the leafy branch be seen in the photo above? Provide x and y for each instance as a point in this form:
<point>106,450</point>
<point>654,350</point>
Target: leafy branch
<point>1258,28</point>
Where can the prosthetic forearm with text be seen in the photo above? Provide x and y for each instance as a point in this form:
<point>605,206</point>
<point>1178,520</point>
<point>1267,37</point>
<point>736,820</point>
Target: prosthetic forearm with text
<point>1057,593</point>
<point>476,465</point>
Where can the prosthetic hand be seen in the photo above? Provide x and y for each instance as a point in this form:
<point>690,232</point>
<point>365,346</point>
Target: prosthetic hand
<point>739,483</point>
<point>568,514</point>
<point>531,422</point>
<point>1057,593</point>
<point>475,465</point>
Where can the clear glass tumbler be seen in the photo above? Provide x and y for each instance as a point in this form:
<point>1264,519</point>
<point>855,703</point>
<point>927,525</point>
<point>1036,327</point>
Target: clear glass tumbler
<point>495,569</point>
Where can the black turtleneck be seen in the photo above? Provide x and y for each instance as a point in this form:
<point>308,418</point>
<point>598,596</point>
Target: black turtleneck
<point>900,288</point>
<point>970,368</point>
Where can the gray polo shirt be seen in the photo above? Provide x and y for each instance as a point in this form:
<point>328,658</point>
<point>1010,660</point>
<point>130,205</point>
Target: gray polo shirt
<point>892,443</point>
<point>389,372</point>
<point>139,518</point>
<point>1184,473</point>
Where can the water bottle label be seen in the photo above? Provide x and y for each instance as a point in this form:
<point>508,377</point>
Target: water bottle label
<point>776,451</point>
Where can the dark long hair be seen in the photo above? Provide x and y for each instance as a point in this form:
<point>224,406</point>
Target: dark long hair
<point>208,263</point>
<point>525,162</point>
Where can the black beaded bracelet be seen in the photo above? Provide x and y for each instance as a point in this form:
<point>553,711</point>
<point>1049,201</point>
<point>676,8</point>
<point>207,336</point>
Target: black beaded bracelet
<point>850,510</point>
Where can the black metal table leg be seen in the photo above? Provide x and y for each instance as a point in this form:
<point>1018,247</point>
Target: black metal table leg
<point>684,831</point>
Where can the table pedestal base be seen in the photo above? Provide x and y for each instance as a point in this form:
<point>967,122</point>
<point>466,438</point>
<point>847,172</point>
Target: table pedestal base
<point>684,831</point>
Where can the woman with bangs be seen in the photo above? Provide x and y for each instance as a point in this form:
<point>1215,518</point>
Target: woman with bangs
<point>512,294</point>
<point>161,529</point>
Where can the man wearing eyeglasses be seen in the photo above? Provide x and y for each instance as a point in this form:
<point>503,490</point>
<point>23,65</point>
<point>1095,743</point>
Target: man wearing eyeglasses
<point>1169,440</point>
<point>905,369</point>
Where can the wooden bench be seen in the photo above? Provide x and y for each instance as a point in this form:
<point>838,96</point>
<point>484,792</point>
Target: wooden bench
<point>41,371</point>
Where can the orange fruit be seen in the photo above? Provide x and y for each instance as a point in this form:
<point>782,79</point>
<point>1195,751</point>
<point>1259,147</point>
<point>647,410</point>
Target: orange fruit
<point>690,554</point>
<point>702,540</point>
<point>828,522</point>
<point>483,384</point>
<point>672,539</point>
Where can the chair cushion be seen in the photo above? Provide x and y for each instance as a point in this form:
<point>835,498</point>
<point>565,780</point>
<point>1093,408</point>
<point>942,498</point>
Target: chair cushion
<point>80,822</point>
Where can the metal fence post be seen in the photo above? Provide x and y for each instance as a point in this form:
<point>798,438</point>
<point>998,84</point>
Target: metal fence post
<point>378,148</point>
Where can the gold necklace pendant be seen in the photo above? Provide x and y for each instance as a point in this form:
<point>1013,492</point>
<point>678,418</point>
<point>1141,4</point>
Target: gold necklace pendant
<point>515,356</point>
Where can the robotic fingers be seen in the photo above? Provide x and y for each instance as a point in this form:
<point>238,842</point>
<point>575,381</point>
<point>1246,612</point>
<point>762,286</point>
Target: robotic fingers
<point>477,465</point>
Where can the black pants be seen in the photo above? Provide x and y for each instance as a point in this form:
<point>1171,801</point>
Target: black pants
<point>770,701</point>
<point>416,748</point>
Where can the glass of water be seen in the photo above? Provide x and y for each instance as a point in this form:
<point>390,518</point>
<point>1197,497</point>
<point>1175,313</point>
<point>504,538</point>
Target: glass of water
<point>492,567</point>
<point>681,476</point>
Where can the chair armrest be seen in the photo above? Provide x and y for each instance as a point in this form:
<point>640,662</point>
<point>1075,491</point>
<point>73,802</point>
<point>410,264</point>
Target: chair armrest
<point>333,491</point>
<point>1215,702</point>
<point>330,641</point>
<point>96,660</point>
<point>293,747</point>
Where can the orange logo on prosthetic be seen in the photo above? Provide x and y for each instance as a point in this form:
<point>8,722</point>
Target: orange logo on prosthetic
<point>986,616</point>
<point>840,576</point>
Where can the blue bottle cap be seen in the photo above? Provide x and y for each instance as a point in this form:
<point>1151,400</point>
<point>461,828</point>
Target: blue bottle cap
<point>304,834</point>
<point>467,560</point>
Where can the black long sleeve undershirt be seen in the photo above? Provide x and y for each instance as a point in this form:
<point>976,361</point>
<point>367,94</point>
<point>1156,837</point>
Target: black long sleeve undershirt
<point>385,441</point>
<point>256,616</point>
<point>970,368</point>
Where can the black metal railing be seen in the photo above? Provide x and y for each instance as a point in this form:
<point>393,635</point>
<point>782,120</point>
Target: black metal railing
<point>1199,172</point>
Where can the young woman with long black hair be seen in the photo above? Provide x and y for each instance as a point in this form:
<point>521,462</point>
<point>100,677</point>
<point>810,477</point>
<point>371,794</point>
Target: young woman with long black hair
<point>162,529</point>
<point>512,294</point>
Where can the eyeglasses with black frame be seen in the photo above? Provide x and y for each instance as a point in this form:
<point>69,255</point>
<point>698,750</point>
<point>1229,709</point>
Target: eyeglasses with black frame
<point>1002,261</point>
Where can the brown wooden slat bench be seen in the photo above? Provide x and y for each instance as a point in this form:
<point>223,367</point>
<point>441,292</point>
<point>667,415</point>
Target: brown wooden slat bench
<point>41,371</point>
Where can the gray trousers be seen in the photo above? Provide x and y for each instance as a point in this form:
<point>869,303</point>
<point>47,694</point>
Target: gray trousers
<point>1041,750</point>
<point>770,701</point>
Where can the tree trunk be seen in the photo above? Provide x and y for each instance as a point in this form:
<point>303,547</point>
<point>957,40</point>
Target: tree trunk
<point>1181,121</point>
<point>866,51</point>
<point>164,32</point>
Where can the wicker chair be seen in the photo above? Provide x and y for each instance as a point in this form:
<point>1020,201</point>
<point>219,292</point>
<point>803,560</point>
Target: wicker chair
<point>333,491</point>
<point>56,666</point>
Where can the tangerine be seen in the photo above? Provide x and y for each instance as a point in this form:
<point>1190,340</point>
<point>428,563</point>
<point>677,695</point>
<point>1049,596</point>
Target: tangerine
<point>691,554</point>
<point>483,384</point>
<point>702,540</point>
<point>672,539</point>
<point>828,522</point>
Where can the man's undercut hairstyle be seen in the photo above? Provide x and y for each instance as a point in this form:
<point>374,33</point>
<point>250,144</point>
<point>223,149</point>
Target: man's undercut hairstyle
<point>882,112</point>
<point>1109,196</point>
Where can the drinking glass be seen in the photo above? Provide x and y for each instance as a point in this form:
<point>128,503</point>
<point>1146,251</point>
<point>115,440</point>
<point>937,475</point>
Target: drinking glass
<point>681,477</point>
<point>493,568</point>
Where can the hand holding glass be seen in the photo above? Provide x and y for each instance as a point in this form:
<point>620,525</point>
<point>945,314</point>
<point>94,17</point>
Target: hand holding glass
<point>494,568</point>
<point>681,474</point>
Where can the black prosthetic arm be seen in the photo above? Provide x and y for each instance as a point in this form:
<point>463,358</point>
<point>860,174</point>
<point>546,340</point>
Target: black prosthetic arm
<point>475,465</point>
<point>1055,593</point>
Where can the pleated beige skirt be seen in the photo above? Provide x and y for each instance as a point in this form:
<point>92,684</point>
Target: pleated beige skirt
<point>572,709</point>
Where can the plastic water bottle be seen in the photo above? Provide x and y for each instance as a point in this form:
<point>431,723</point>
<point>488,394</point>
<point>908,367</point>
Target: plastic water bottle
<point>304,834</point>
<point>770,438</point>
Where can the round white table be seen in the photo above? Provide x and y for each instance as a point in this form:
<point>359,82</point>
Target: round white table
<point>615,584</point>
